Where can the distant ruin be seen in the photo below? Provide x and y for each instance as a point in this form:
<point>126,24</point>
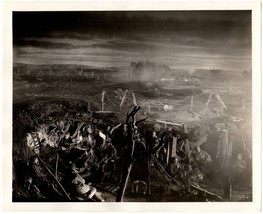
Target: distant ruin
<point>146,71</point>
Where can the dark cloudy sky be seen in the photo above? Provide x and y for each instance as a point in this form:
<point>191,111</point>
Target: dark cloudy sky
<point>186,39</point>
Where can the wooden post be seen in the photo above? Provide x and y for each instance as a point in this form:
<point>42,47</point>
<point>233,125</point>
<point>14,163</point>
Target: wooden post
<point>134,99</point>
<point>62,188</point>
<point>56,172</point>
<point>206,106</point>
<point>123,98</point>
<point>40,72</point>
<point>187,145</point>
<point>168,152</point>
<point>192,103</point>
<point>243,105</point>
<point>149,108</point>
<point>173,147</point>
<point>221,101</point>
<point>89,107</point>
<point>102,100</point>
<point>149,147</point>
<point>223,149</point>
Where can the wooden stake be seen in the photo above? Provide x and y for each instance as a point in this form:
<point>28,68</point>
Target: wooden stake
<point>243,105</point>
<point>56,172</point>
<point>134,99</point>
<point>221,101</point>
<point>40,72</point>
<point>187,145</point>
<point>149,147</point>
<point>168,152</point>
<point>206,106</point>
<point>192,103</point>
<point>102,100</point>
<point>64,191</point>
<point>123,98</point>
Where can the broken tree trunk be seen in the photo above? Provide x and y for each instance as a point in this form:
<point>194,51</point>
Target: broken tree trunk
<point>128,156</point>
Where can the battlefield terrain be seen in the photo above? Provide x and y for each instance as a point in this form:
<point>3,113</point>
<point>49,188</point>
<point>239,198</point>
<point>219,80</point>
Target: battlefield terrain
<point>205,101</point>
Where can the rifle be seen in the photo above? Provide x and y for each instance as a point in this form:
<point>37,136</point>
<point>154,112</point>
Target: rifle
<point>207,194</point>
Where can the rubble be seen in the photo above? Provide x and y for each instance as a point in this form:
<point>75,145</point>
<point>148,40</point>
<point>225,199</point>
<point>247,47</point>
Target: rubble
<point>95,147</point>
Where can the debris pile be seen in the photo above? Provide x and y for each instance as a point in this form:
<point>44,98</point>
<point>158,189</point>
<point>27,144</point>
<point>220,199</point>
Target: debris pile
<point>67,156</point>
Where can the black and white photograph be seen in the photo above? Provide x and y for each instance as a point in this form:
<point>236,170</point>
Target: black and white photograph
<point>132,106</point>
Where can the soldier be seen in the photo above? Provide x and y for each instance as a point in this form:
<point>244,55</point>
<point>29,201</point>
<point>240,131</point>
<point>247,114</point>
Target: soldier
<point>201,155</point>
<point>239,166</point>
<point>66,142</point>
<point>38,178</point>
<point>174,167</point>
<point>46,151</point>
<point>80,188</point>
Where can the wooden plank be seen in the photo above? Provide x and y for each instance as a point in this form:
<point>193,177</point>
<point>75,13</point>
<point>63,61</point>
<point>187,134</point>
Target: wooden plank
<point>168,123</point>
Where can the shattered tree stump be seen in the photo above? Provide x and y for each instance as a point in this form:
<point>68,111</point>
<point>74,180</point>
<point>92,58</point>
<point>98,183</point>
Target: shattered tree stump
<point>129,159</point>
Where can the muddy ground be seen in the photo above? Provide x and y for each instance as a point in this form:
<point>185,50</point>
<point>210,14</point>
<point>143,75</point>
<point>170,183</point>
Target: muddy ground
<point>64,93</point>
